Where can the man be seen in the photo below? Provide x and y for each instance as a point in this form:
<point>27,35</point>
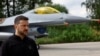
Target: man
<point>20,44</point>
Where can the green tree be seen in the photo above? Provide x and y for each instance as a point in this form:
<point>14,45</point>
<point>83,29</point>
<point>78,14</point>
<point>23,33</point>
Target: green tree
<point>1,10</point>
<point>93,9</point>
<point>13,7</point>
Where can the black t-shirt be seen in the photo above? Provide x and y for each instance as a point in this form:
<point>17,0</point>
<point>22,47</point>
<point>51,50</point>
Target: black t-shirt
<point>15,46</point>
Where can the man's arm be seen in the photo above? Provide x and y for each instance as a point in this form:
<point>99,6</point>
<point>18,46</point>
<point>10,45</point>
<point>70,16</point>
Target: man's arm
<point>35,48</point>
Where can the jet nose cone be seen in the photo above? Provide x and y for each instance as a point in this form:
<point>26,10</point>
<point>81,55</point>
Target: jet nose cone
<point>75,19</point>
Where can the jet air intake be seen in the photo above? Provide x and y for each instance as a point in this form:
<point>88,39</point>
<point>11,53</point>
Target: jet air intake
<point>36,31</point>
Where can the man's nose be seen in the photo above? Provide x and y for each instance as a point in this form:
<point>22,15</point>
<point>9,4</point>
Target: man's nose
<point>27,27</point>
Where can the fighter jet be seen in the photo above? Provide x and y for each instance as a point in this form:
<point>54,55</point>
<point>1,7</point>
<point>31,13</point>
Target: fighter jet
<point>39,19</point>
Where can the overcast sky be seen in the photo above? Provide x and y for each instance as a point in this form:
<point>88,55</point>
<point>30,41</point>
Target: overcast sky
<point>74,6</point>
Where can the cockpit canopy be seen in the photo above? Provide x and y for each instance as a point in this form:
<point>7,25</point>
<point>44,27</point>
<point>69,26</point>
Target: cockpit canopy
<point>45,10</point>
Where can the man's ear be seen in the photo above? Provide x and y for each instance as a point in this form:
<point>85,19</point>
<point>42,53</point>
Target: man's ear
<point>15,26</point>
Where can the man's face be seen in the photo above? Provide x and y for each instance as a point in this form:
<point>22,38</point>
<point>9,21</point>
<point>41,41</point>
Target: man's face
<point>22,27</point>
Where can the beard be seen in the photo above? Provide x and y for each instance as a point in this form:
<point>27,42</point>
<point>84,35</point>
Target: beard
<point>23,33</point>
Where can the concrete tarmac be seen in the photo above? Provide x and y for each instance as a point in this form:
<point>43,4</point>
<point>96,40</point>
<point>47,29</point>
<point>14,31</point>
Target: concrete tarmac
<point>71,49</point>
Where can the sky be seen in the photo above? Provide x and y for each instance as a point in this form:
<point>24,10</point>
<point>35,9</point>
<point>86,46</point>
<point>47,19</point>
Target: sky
<point>74,7</point>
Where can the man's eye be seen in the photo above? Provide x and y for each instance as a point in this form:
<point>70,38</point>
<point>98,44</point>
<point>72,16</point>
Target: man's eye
<point>25,25</point>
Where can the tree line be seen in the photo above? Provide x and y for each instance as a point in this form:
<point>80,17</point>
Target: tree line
<point>12,7</point>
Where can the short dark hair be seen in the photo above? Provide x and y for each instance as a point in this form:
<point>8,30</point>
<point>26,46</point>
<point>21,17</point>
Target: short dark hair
<point>18,18</point>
